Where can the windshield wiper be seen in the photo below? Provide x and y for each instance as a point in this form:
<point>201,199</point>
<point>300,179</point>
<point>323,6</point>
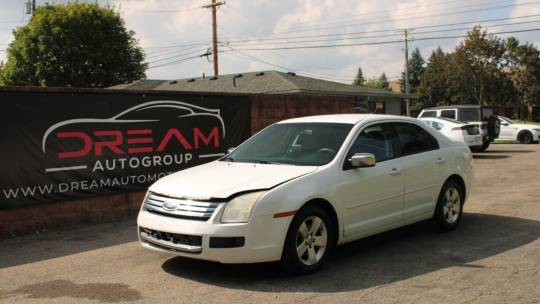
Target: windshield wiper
<point>267,162</point>
<point>228,158</point>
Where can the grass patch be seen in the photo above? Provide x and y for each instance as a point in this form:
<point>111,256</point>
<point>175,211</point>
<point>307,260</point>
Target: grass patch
<point>527,122</point>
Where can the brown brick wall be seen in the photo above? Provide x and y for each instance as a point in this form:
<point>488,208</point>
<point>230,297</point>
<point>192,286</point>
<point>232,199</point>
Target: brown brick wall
<point>65,213</point>
<point>268,109</point>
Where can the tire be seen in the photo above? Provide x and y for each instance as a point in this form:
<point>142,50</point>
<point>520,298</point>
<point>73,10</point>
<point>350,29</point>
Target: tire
<point>449,208</point>
<point>481,148</point>
<point>494,127</point>
<point>485,146</point>
<point>525,137</point>
<point>301,238</point>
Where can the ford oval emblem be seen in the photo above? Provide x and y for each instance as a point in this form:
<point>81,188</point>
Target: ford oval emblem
<point>169,206</point>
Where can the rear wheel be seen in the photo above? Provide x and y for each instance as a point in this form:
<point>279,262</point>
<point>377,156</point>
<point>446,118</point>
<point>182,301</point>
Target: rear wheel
<point>449,206</point>
<point>481,148</point>
<point>525,137</point>
<point>309,240</point>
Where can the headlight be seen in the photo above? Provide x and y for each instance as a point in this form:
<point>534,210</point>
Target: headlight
<point>537,130</point>
<point>238,210</point>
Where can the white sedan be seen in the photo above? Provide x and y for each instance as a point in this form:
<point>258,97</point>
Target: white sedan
<point>524,133</point>
<point>468,134</point>
<point>298,188</point>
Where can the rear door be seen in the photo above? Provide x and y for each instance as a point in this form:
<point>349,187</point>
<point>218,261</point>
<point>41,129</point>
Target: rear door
<point>424,167</point>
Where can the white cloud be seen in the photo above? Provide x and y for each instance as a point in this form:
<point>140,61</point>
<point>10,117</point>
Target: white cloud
<point>266,19</point>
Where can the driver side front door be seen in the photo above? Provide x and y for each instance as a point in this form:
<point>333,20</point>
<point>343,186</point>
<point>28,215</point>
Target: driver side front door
<point>373,196</point>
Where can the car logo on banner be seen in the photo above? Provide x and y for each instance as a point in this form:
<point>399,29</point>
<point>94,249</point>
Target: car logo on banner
<point>156,133</point>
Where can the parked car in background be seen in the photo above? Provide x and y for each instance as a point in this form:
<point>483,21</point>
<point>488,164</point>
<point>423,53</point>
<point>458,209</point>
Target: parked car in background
<point>482,116</point>
<point>524,133</point>
<point>298,188</point>
<point>468,134</point>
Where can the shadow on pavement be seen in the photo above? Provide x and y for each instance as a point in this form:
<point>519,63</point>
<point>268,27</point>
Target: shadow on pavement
<point>393,256</point>
<point>66,241</point>
<point>484,156</point>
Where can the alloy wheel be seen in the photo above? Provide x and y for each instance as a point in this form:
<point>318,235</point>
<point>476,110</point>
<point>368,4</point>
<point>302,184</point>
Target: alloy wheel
<point>451,205</point>
<point>311,240</point>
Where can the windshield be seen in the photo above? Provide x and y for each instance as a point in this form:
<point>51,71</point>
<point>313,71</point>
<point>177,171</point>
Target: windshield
<point>508,120</point>
<point>303,144</point>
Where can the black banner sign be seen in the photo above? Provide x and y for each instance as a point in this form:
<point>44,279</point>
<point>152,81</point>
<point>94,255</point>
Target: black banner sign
<point>57,146</point>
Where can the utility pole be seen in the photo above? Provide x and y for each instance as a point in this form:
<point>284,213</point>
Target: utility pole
<point>213,6</point>
<point>407,87</point>
<point>33,7</point>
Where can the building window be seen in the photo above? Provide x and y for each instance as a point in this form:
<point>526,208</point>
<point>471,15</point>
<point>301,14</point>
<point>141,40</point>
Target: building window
<point>376,107</point>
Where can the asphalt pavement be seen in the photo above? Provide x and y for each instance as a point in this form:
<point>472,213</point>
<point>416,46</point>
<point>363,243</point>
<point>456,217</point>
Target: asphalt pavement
<point>494,257</point>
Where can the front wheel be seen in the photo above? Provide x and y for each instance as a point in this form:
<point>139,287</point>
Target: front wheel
<point>309,240</point>
<point>449,206</point>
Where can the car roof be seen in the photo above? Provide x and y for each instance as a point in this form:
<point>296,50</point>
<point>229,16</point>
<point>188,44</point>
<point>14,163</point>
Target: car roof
<point>343,118</point>
<point>455,107</point>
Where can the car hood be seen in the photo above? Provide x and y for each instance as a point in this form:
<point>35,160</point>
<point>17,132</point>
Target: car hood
<point>220,179</point>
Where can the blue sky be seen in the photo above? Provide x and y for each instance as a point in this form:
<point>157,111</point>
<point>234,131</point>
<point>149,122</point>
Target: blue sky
<point>162,24</point>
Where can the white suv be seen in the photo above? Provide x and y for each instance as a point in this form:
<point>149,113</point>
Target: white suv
<point>301,186</point>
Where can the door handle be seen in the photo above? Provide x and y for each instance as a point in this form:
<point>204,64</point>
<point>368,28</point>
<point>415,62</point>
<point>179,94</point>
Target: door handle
<point>395,171</point>
<point>440,160</point>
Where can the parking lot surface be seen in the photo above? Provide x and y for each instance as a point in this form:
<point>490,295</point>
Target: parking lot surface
<point>494,257</point>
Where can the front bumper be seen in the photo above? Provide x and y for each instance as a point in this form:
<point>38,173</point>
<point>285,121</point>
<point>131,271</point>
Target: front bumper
<point>262,238</point>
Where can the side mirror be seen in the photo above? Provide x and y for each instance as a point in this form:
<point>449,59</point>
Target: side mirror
<point>230,150</point>
<point>362,160</point>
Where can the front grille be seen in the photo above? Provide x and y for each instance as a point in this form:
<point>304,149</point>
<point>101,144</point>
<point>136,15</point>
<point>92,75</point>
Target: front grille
<point>180,208</point>
<point>172,241</point>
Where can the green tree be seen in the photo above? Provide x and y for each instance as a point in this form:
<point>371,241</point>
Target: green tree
<point>373,83</point>
<point>359,78</point>
<point>416,69</point>
<point>434,83</point>
<point>524,70</point>
<point>383,80</point>
<point>74,44</point>
<point>479,63</point>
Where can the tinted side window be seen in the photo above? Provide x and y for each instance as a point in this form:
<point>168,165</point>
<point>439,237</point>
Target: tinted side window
<point>375,139</point>
<point>429,114</point>
<point>413,139</point>
<point>448,114</point>
<point>469,114</point>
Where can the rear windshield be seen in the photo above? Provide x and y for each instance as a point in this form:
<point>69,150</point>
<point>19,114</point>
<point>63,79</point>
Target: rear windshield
<point>469,114</point>
<point>429,114</point>
<point>486,113</point>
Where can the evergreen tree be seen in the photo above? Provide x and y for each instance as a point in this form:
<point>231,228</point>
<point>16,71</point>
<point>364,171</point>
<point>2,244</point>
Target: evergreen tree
<point>416,69</point>
<point>359,79</point>
<point>383,81</point>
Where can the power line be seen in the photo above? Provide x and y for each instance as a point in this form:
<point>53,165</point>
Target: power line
<point>383,36</point>
<point>382,31</point>
<point>378,42</point>
<point>379,20</point>
<point>176,56</point>
<point>440,9</point>
<point>174,62</point>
